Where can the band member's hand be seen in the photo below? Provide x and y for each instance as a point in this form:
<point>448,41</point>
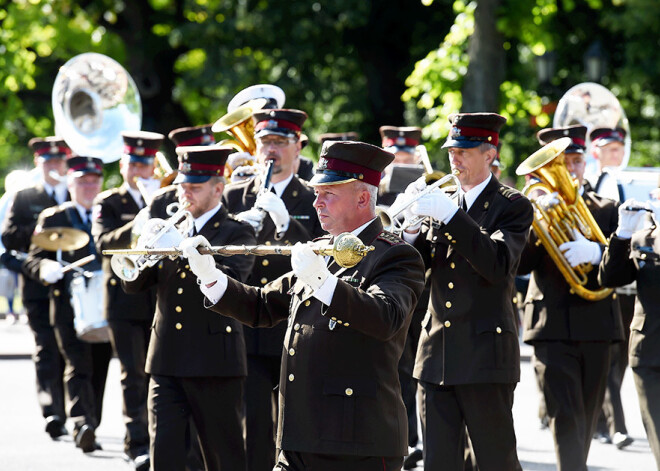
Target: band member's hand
<point>629,219</point>
<point>416,186</point>
<point>581,250</point>
<point>437,205</point>
<point>203,266</point>
<point>252,216</point>
<point>408,216</point>
<point>309,267</point>
<point>548,200</point>
<point>276,209</point>
<point>50,271</point>
<point>244,172</point>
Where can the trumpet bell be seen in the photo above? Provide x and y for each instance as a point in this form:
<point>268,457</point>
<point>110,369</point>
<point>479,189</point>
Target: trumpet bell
<point>94,99</point>
<point>125,267</point>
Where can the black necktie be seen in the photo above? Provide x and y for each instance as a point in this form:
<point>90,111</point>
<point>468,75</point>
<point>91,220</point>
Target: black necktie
<point>463,203</point>
<point>88,217</point>
<point>272,190</point>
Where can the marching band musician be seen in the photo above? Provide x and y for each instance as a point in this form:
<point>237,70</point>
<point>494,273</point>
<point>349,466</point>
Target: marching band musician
<point>129,315</point>
<point>50,154</point>
<point>288,217</point>
<point>402,142</point>
<point>346,328</point>
<point>468,359</point>
<point>608,148</point>
<point>196,359</point>
<point>635,256</point>
<point>571,335</point>
<point>86,363</point>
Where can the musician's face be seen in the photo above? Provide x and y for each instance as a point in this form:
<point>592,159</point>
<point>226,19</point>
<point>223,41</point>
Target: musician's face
<point>202,197</point>
<point>575,164</point>
<point>284,153</point>
<point>52,165</point>
<point>610,155</point>
<point>340,208</point>
<point>131,170</point>
<point>402,157</point>
<point>84,189</point>
<point>473,165</point>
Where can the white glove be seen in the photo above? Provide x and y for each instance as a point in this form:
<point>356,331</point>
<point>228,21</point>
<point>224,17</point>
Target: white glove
<point>239,159</point>
<point>252,216</point>
<point>581,250</point>
<point>416,186</point>
<point>203,266</point>
<point>629,220</point>
<point>655,206</point>
<point>437,205</point>
<point>50,271</point>
<point>548,200</point>
<point>244,172</point>
<point>309,267</point>
<point>276,209</point>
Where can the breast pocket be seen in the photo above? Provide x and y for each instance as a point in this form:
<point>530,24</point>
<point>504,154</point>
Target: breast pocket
<point>497,343</point>
<point>348,403</point>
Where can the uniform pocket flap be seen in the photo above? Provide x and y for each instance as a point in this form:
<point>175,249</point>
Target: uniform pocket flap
<point>495,326</point>
<point>350,387</point>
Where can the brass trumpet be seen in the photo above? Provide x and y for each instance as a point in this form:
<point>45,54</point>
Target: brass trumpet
<point>347,250</point>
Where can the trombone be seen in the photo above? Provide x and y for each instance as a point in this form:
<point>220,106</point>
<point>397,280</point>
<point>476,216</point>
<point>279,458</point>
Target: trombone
<point>389,216</point>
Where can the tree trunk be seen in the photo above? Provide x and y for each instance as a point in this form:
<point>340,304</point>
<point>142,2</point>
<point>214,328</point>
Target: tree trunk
<point>481,88</point>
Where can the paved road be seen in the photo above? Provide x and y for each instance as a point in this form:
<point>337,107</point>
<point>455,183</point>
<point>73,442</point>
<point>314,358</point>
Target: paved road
<point>25,447</point>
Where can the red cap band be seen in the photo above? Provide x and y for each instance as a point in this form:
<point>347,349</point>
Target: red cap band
<point>276,123</point>
<point>140,151</point>
<point>610,134</point>
<point>49,150</point>
<point>204,139</point>
<point>359,173</point>
<point>85,166</point>
<point>399,141</point>
<point>188,168</point>
<point>578,141</point>
<point>491,137</point>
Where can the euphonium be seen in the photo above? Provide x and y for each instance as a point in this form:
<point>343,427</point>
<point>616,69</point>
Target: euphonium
<point>555,225</point>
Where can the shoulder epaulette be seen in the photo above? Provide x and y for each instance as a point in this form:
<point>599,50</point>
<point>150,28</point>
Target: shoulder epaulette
<point>104,194</point>
<point>164,190</point>
<point>510,193</point>
<point>389,238</point>
<point>48,212</point>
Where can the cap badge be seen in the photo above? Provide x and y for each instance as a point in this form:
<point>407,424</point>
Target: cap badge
<point>400,141</point>
<point>565,132</point>
<point>271,124</point>
<point>322,165</point>
<point>185,167</point>
<point>138,150</point>
<point>455,132</point>
<point>206,138</point>
<point>53,149</point>
<point>91,165</point>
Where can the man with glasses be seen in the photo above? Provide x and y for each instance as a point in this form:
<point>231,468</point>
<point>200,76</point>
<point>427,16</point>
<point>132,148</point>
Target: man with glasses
<point>283,210</point>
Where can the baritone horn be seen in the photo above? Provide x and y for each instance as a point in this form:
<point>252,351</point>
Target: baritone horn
<point>555,224</point>
<point>390,216</point>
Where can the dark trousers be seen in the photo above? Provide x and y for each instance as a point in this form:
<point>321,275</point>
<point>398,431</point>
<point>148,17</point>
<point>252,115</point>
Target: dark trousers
<point>485,409</point>
<point>130,339</point>
<point>85,372</point>
<point>215,405</point>
<point>296,461</point>
<point>409,394</point>
<point>647,383</point>
<point>261,404</point>
<point>48,361</point>
<point>573,377</point>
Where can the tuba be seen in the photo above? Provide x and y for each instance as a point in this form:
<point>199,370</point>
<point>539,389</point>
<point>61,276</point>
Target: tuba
<point>554,225</point>
<point>94,99</point>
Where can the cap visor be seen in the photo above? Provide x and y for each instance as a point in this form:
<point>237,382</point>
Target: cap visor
<point>395,149</point>
<point>136,159</point>
<point>276,132</point>
<point>607,140</point>
<point>574,150</point>
<point>181,178</point>
<point>320,179</point>
<point>461,144</point>
<point>80,173</point>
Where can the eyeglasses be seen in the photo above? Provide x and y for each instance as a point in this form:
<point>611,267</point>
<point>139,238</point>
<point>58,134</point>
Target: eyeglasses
<point>275,142</point>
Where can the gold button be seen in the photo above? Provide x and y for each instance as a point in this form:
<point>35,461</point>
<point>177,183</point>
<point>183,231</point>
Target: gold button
<point>498,330</point>
<point>447,324</point>
<point>268,242</point>
<point>448,304</point>
<point>308,302</point>
<point>339,322</point>
<point>446,234</point>
<point>292,352</point>
<point>614,296</point>
<point>448,237</point>
<point>178,326</point>
<point>178,309</point>
<point>183,274</point>
<point>56,292</point>
<point>179,291</point>
<point>228,329</point>
<point>113,282</point>
<point>451,285</point>
<point>486,205</point>
<point>296,327</point>
<point>349,392</point>
<point>294,193</point>
<point>453,241</point>
<point>265,262</point>
<point>334,318</point>
<point>291,377</point>
<point>187,267</point>
<point>217,224</point>
<point>452,265</point>
<point>264,281</point>
<point>347,324</point>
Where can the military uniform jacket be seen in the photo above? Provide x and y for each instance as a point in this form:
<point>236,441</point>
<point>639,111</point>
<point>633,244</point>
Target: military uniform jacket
<point>64,215</point>
<point>469,334</point>
<point>17,231</point>
<point>303,226</point>
<point>113,223</point>
<point>638,259</point>
<point>339,385</point>
<point>551,311</point>
<point>186,339</point>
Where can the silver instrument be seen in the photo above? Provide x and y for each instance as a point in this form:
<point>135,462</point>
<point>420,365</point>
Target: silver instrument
<point>255,216</point>
<point>390,216</point>
<point>94,99</point>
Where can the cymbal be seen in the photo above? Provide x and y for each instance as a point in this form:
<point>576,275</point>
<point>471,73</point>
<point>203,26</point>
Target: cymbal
<point>60,238</point>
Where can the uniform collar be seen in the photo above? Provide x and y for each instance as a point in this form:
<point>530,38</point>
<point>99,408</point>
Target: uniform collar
<point>471,195</point>
<point>204,218</point>
<point>281,186</point>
